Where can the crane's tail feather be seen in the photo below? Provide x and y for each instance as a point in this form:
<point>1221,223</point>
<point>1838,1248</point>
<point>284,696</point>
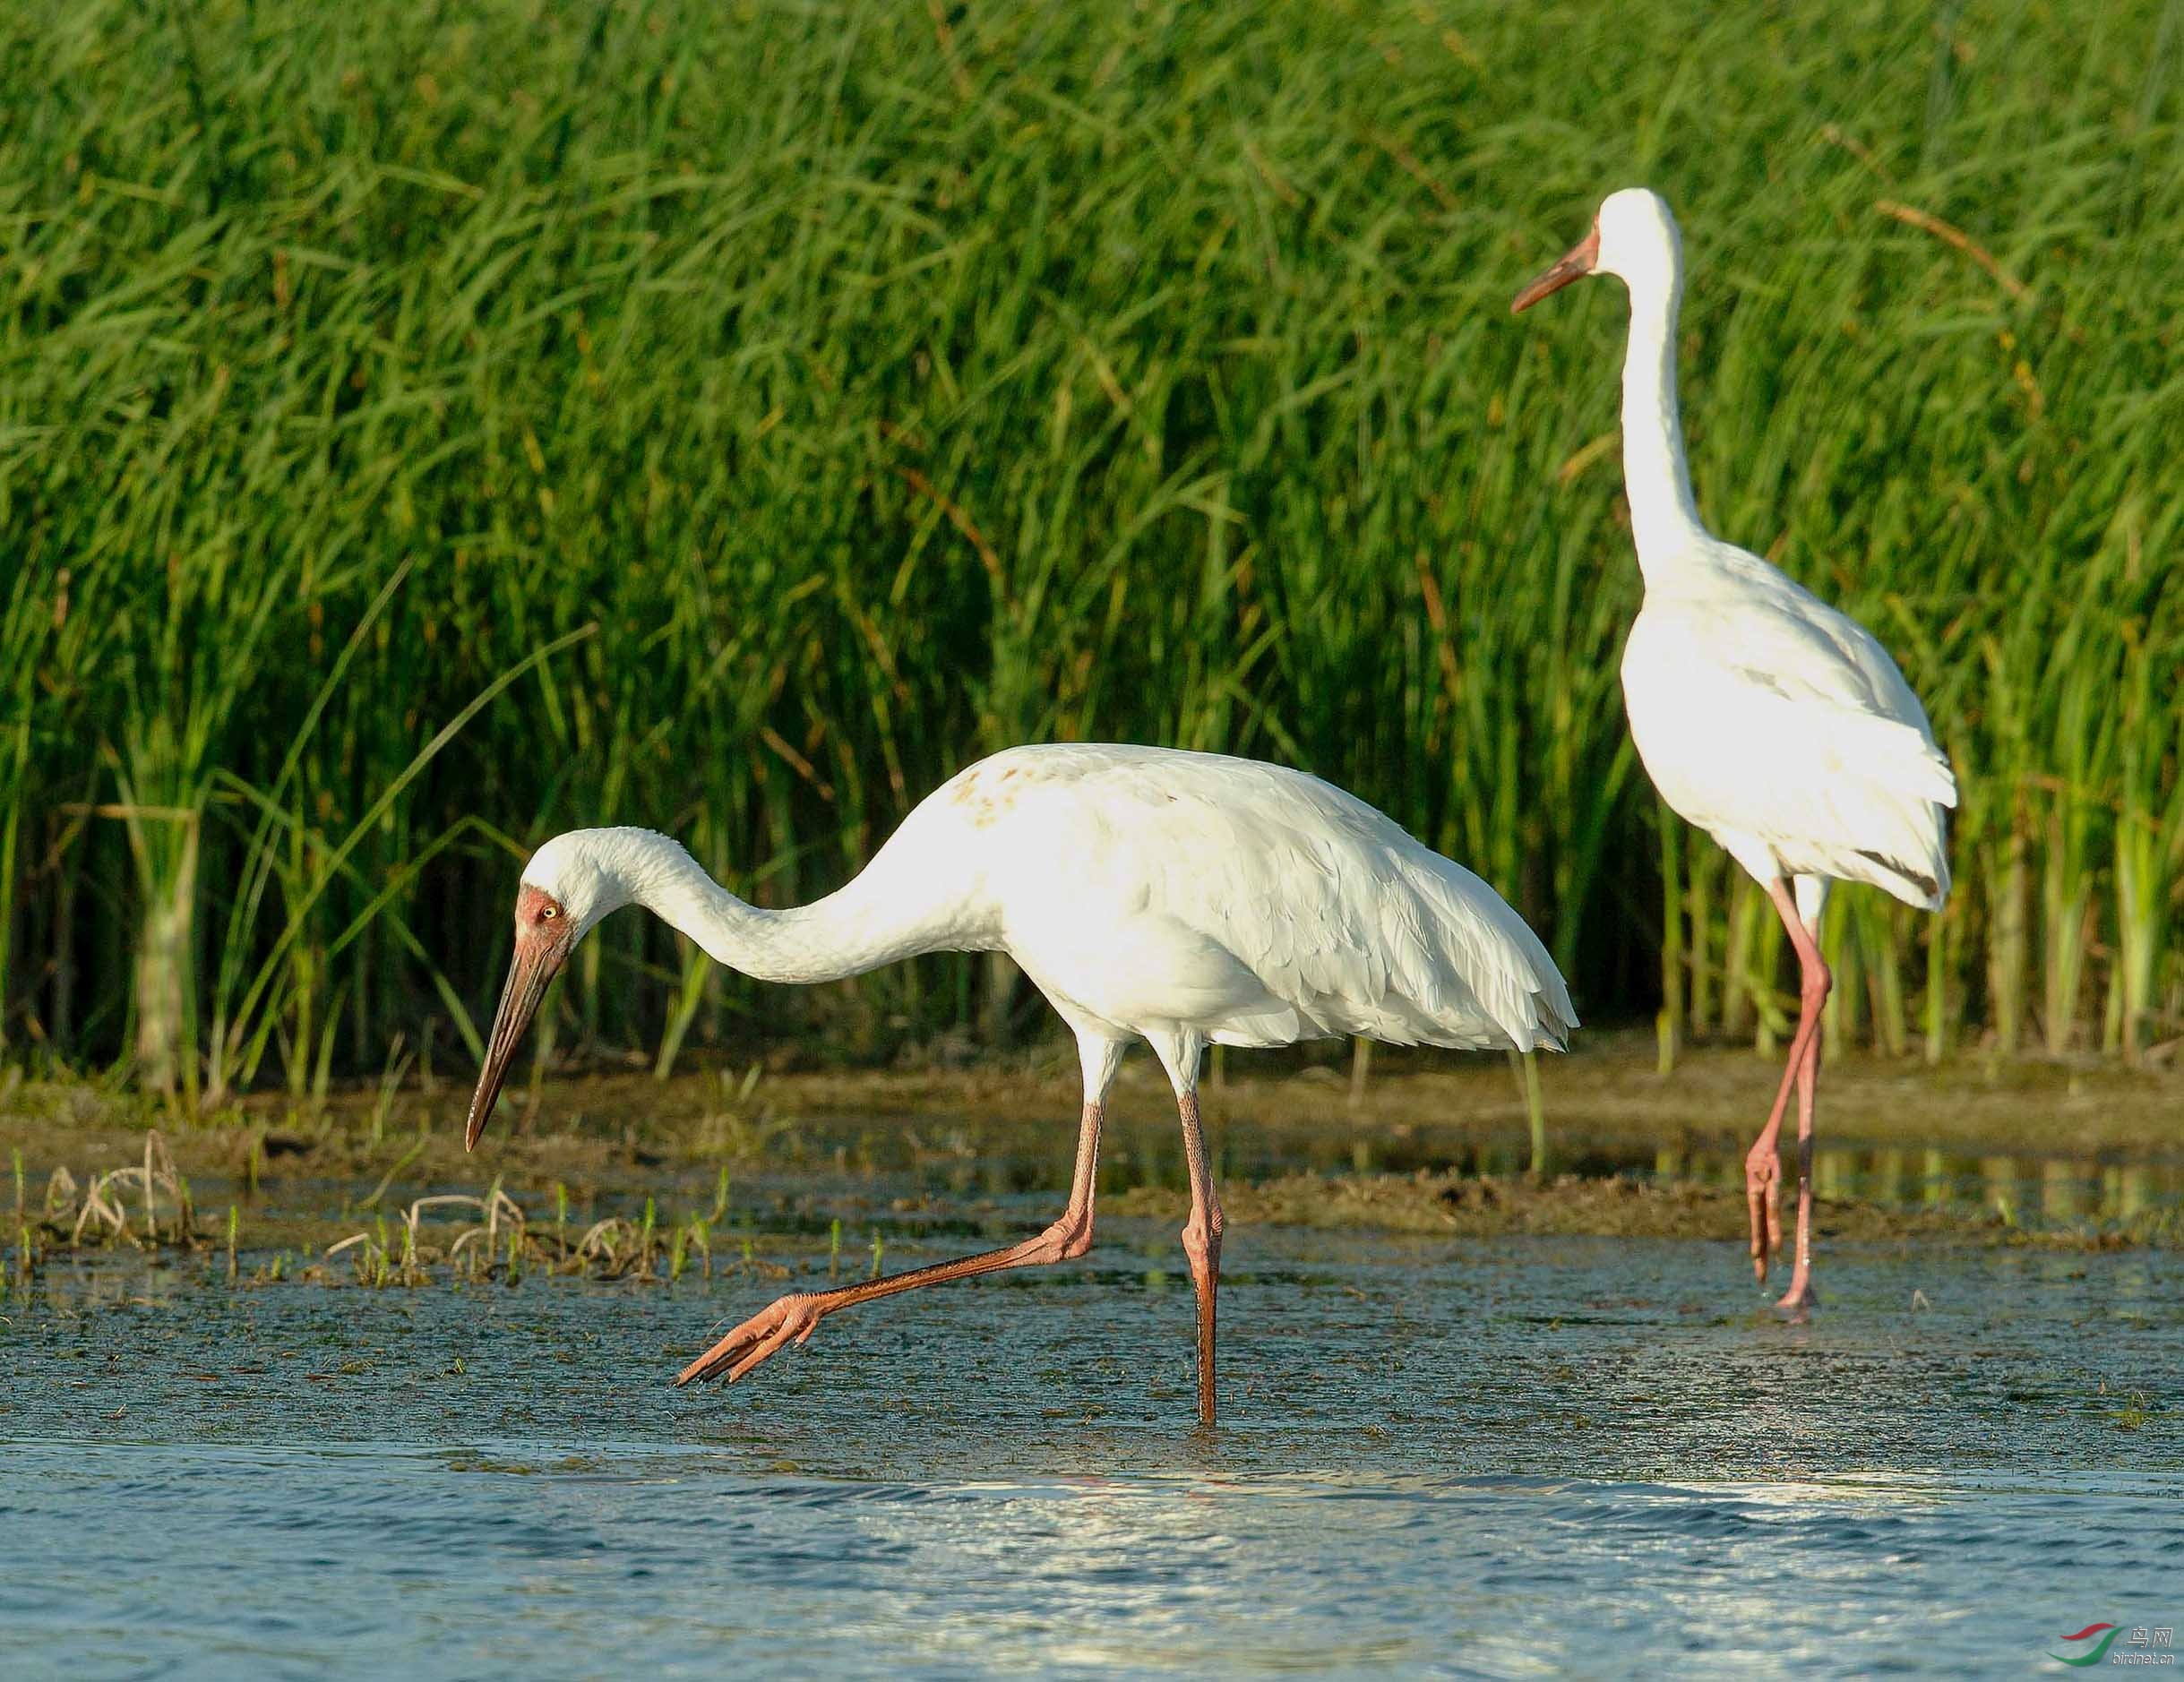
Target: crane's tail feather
<point>1477,952</point>
<point>1901,758</point>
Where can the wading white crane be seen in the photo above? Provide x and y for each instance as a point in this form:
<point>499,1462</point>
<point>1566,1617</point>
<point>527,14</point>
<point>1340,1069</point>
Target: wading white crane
<point>1179,899</point>
<point>1774,722</point>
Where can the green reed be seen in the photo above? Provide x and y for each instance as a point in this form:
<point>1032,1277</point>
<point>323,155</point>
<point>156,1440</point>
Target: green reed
<point>885,390</point>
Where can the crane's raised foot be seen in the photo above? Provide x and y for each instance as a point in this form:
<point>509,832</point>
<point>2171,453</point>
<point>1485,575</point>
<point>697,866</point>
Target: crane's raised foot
<point>765,1333</point>
<point>1763,1202</point>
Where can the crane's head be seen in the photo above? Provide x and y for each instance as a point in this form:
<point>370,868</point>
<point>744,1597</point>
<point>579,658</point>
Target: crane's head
<point>1633,237</point>
<point>571,882</point>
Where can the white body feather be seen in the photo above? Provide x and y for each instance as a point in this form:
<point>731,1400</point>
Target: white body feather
<point>1782,729</point>
<point>1143,888</point>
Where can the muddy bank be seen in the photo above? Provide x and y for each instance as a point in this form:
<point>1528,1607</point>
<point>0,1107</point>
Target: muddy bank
<point>1607,1093</point>
<point>1971,1153</point>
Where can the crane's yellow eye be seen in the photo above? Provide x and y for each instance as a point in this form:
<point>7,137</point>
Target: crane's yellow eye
<point>549,913</point>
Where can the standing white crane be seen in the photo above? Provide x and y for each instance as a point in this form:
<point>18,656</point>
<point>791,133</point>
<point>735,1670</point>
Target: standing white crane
<point>1766,717</point>
<point>1179,898</point>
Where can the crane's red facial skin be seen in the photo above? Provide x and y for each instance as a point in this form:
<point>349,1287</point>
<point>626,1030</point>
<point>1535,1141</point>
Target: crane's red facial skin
<point>1576,263</point>
<point>545,931</point>
<point>537,911</point>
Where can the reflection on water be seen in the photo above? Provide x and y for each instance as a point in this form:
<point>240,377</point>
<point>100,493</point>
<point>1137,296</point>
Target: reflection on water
<point>999,1159</point>
<point>2054,1189</point>
<point>1438,1456</point>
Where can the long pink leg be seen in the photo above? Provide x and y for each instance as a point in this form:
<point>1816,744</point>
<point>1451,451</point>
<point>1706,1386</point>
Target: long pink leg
<point>795,1318</point>
<point>1202,1245</point>
<point>1763,1163</point>
<point>1801,1294</point>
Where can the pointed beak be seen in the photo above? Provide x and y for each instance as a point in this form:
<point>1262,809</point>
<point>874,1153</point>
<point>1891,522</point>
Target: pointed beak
<point>1577,262</point>
<point>529,975</point>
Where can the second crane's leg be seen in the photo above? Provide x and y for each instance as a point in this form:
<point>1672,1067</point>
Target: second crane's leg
<point>1762,1165</point>
<point>1801,1294</point>
<point>793,1318</point>
<point>1202,1245</point>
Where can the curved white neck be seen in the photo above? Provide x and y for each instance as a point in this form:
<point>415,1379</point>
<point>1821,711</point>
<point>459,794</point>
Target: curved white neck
<point>881,915</point>
<point>1664,515</point>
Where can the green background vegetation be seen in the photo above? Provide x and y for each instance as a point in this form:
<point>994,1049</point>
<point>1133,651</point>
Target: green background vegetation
<point>423,428</point>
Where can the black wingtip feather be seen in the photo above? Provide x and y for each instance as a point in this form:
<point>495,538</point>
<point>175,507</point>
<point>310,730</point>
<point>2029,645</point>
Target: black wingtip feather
<point>1927,886</point>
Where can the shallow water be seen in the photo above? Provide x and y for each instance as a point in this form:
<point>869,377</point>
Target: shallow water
<point>1436,1456</point>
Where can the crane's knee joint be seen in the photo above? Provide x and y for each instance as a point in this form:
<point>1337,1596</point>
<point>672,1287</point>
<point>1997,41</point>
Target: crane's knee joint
<point>1065,1241</point>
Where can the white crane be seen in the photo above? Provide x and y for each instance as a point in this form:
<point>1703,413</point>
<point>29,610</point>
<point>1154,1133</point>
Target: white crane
<point>1179,898</point>
<point>1776,724</point>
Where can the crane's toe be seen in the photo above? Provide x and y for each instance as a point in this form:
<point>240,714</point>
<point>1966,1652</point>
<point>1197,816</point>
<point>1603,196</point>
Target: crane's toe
<point>1762,1200</point>
<point>791,1319</point>
<point>1799,1300</point>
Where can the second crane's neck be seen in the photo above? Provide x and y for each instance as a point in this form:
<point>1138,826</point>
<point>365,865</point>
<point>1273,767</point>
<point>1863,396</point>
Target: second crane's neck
<point>888,911</point>
<point>1664,515</point>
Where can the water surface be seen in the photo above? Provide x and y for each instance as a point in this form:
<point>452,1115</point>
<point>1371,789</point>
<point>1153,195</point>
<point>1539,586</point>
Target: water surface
<point>1436,1457</point>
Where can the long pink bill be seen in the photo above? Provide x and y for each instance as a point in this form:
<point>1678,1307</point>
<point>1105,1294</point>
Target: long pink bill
<point>1574,264</point>
<point>529,975</point>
